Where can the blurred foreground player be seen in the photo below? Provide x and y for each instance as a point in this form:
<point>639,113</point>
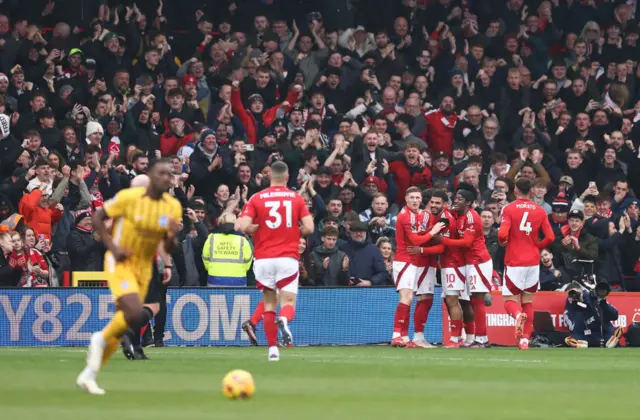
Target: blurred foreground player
<point>276,217</point>
<point>131,346</point>
<point>519,231</point>
<point>145,222</point>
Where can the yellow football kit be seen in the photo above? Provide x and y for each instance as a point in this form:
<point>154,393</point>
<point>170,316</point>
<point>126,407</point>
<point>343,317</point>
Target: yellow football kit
<point>139,223</point>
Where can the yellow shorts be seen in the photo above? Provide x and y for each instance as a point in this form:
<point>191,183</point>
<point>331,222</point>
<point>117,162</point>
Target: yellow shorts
<point>127,277</point>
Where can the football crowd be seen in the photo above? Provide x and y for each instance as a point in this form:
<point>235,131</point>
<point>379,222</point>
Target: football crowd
<point>363,99</point>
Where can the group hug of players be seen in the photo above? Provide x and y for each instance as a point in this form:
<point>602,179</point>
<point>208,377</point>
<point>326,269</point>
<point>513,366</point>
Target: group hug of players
<point>451,239</point>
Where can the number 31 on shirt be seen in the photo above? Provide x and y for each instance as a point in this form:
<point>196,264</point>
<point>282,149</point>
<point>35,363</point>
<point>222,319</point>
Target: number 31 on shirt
<point>276,216</point>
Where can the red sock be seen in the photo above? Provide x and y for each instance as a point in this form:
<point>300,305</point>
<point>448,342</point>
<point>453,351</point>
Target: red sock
<point>288,311</point>
<point>270,328</point>
<point>512,308</point>
<point>421,314</point>
<point>527,308</point>
<point>480,315</point>
<point>258,313</point>
<point>456,329</point>
<point>470,327</point>
<point>401,320</point>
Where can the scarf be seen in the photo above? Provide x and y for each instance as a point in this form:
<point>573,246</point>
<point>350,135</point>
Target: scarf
<point>566,231</point>
<point>606,215</point>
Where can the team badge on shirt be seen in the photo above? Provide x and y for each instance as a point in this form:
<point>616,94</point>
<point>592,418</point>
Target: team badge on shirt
<point>163,221</point>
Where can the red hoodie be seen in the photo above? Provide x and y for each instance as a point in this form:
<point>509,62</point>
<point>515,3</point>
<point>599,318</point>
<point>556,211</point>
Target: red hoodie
<point>39,218</point>
<point>247,118</point>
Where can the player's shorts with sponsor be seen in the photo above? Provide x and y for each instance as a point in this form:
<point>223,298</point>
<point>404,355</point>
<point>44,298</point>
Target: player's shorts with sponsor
<point>479,277</point>
<point>127,277</point>
<point>422,280</point>
<point>520,279</point>
<point>281,273</point>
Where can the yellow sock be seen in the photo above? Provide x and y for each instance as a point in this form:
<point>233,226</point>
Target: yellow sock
<point>111,347</point>
<point>116,328</point>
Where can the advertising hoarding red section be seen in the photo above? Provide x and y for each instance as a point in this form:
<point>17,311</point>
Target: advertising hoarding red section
<point>500,326</point>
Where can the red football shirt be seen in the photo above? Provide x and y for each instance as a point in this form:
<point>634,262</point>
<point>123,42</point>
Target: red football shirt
<point>277,211</point>
<point>470,224</point>
<point>452,257</point>
<point>520,229</point>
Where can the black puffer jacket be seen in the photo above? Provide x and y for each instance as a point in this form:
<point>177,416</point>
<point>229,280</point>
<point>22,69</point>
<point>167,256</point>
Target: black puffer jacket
<point>85,253</point>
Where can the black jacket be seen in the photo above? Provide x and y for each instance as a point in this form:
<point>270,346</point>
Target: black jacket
<point>10,149</point>
<point>9,277</point>
<point>333,275</point>
<point>85,253</point>
<point>207,182</point>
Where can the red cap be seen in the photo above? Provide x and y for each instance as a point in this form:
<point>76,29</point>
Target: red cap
<point>371,180</point>
<point>189,79</point>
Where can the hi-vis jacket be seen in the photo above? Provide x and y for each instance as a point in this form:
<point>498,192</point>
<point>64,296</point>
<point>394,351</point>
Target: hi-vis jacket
<point>227,257</point>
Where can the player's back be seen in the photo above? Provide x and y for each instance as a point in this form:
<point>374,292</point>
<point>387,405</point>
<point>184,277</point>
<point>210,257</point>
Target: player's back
<point>277,211</point>
<point>523,219</point>
<point>140,222</point>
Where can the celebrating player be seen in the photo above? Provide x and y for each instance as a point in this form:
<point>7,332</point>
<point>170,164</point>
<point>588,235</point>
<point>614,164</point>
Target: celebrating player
<point>452,267</point>
<point>409,271</point>
<point>274,216</point>
<point>145,221</point>
<point>479,267</point>
<point>519,231</point>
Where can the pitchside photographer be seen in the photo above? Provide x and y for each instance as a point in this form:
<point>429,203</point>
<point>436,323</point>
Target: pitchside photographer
<point>589,317</point>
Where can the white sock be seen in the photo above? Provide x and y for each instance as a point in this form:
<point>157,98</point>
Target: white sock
<point>470,338</point>
<point>88,373</point>
<point>455,339</point>
<point>98,339</point>
<point>395,335</point>
<point>418,336</point>
<point>405,339</point>
<point>274,350</point>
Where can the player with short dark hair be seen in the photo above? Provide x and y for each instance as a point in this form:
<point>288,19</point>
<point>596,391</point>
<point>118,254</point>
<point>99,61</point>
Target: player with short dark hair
<point>519,230</point>
<point>273,216</point>
<point>479,267</point>
<point>145,222</point>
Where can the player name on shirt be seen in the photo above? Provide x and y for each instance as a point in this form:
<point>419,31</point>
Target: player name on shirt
<point>278,194</point>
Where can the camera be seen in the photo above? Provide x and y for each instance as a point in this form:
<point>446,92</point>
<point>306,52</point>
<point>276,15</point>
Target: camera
<point>601,290</point>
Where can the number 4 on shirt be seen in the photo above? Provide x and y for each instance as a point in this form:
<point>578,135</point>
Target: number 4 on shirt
<point>525,225</point>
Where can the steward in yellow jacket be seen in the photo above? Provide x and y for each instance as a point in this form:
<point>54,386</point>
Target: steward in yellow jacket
<point>227,256</point>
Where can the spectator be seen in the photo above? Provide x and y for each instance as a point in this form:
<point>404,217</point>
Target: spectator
<point>9,275</point>
<point>27,258</point>
<point>227,255</point>
<point>366,265</point>
<point>86,250</point>
<point>329,266</point>
<point>385,246</point>
<point>574,244</point>
<point>380,220</point>
<point>550,277</point>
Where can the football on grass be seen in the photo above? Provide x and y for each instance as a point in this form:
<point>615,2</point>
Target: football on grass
<point>238,384</point>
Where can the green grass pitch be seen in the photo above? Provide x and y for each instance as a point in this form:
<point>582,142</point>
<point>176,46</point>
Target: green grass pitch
<point>328,383</point>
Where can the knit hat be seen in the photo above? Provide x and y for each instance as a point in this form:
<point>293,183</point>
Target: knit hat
<point>255,97</point>
<point>371,180</point>
<point>207,132</point>
<point>189,79</point>
<point>560,204</point>
<point>4,77</point>
<point>94,127</point>
<point>81,214</point>
<point>64,89</point>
